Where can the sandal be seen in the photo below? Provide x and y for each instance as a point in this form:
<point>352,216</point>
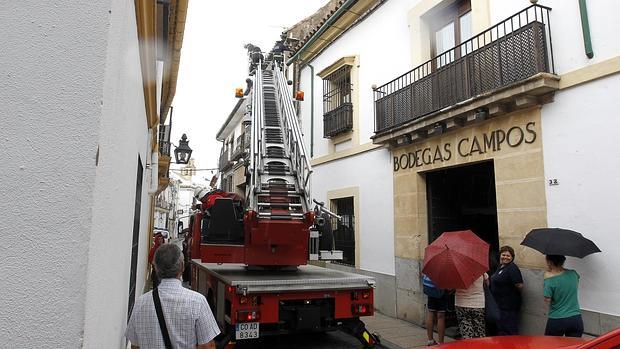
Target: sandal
<point>431,342</point>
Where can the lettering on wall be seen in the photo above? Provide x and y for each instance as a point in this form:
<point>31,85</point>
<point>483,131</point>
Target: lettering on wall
<point>468,146</point>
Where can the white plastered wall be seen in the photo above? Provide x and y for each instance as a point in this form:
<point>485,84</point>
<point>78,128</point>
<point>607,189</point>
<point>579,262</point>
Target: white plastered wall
<point>581,151</point>
<point>374,41</point>
<point>566,34</point>
<point>579,143</point>
<point>52,67</point>
<point>371,173</point>
<point>123,137</point>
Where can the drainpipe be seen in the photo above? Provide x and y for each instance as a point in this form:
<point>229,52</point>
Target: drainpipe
<point>585,28</point>
<point>311,109</point>
<point>347,4</point>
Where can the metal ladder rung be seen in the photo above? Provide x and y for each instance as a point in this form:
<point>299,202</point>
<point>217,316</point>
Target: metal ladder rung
<point>276,216</point>
<point>278,204</point>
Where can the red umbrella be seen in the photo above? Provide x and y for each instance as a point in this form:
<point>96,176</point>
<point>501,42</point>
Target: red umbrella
<point>456,259</point>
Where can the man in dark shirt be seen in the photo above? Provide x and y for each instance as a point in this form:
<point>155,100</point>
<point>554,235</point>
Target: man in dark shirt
<point>255,55</point>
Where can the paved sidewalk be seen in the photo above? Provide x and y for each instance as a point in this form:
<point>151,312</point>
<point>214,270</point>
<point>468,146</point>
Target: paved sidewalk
<point>400,334</point>
<point>397,334</point>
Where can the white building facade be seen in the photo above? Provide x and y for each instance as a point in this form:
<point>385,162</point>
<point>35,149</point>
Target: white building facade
<point>166,205</point>
<point>550,93</point>
<point>235,137</point>
<point>80,165</point>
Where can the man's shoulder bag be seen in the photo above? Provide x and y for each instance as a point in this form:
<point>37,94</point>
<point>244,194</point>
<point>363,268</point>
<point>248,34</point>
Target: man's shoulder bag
<point>161,319</point>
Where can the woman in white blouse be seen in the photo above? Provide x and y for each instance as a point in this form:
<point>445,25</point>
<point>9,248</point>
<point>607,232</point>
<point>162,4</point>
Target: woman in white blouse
<point>470,309</point>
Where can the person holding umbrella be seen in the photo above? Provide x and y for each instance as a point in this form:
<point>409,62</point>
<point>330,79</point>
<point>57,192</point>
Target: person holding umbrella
<point>459,260</point>
<point>470,305</point>
<point>560,291</point>
<point>561,285</point>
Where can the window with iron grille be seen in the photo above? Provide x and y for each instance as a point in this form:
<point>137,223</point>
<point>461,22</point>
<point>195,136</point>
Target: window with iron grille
<point>337,106</point>
<point>344,230</point>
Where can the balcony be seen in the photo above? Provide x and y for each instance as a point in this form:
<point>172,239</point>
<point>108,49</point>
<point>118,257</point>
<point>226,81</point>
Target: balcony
<point>164,140</point>
<point>338,120</point>
<point>164,157</point>
<point>242,144</point>
<point>225,161</point>
<point>507,67</point>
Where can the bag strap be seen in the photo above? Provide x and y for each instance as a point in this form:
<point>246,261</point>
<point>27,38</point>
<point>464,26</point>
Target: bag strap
<point>161,319</point>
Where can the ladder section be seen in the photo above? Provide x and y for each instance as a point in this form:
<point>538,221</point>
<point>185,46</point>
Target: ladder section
<point>300,163</point>
<point>278,196</point>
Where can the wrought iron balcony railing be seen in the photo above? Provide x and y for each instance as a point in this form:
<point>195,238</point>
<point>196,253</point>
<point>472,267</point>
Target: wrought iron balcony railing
<point>224,160</point>
<point>511,51</point>
<point>338,120</point>
<point>242,145</point>
<point>164,140</point>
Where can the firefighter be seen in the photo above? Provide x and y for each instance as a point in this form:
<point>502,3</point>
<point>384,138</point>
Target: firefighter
<point>158,240</point>
<point>255,55</point>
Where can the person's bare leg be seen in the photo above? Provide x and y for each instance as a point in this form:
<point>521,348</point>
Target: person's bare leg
<point>441,326</point>
<point>429,324</point>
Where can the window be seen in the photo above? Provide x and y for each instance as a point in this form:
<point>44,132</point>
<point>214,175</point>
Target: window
<point>227,183</point>
<point>451,27</point>
<point>444,40</point>
<point>337,106</point>
<point>135,239</point>
<point>344,230</point>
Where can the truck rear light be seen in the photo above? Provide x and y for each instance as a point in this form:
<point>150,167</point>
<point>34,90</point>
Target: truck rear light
<point>357,295</point>
<point>365,294</point>
<point>252,300</point>
<point>361,309</point>
<point>248,315</point>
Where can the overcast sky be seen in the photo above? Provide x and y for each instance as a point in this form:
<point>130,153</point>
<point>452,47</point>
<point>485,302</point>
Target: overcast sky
<point>214,63</point>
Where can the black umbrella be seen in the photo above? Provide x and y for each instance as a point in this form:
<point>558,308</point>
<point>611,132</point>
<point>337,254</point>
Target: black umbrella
<point>559,241</point>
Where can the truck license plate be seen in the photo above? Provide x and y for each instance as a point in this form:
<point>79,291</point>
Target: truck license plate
<point>246,330</point>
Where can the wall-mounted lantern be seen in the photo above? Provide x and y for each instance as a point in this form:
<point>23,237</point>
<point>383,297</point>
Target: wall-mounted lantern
<point>183,152</point>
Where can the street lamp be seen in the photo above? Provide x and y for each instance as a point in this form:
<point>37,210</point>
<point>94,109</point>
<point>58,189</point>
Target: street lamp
<point>183,152</point>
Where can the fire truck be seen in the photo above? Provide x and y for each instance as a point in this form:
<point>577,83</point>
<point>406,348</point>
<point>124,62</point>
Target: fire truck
<point>250,254</point>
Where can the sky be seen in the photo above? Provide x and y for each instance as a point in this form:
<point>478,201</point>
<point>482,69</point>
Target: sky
<point>214,63</point>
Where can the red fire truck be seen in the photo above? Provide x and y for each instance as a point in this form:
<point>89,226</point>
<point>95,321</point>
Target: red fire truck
<point>250,254</point>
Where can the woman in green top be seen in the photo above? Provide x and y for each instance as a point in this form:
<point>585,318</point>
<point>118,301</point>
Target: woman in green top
<point>561,293</point>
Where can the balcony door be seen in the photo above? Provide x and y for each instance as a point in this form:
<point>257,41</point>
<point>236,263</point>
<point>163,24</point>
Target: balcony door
<point>451,27</point>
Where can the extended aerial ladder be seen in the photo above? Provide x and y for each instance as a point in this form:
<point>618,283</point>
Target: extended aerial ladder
<point>277,215</point>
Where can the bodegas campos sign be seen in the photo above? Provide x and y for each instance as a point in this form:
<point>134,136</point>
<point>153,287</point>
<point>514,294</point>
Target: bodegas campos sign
<point>468,146</point>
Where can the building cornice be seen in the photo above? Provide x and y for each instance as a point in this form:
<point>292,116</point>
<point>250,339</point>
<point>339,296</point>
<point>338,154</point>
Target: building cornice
<point>175,42</point>
<point>334,66</point>
<point>146,27</point>
<point>341,19</point>
<point>590,73</point>
<point>362,148</point>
